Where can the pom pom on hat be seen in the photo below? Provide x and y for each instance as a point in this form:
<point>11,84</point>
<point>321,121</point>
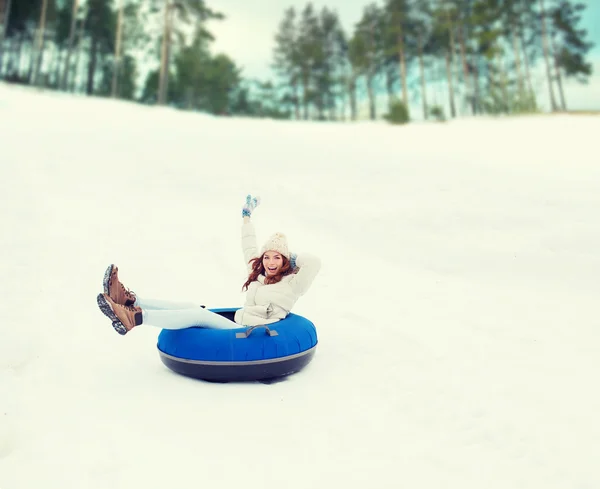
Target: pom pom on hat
<point>278,243</point>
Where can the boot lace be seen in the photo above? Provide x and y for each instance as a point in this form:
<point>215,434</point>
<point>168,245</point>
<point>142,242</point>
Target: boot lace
<point>129,308</point>
<point>124,289</point>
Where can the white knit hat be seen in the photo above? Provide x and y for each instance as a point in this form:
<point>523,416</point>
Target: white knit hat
<point>278,243</point>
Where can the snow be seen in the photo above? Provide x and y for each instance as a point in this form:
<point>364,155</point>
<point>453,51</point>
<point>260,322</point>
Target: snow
<point>456,307</point>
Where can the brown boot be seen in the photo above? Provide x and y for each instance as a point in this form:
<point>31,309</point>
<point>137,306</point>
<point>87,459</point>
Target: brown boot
<point>115,289</point>
<point>124,318</point>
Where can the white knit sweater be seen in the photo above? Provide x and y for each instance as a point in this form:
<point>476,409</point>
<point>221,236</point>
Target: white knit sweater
<point>266,304</point>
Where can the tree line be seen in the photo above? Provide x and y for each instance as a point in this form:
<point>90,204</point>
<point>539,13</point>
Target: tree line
<point>482,52</point>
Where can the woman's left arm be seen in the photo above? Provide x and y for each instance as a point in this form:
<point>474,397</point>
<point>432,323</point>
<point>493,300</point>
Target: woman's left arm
<point>249,244</point>
<point>309,266</point>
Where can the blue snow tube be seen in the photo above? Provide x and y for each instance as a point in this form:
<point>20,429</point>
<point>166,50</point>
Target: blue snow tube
<point>241,353</point>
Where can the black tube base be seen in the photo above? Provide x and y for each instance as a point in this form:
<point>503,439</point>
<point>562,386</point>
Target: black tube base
<point>245,372</point>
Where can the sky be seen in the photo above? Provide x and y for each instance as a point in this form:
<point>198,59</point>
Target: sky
<point>247,35</point>
<point>249,31</point>
<point>456,306</point>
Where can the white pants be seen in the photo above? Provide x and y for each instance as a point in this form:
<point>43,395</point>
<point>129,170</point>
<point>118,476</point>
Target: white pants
<point>180,315</point>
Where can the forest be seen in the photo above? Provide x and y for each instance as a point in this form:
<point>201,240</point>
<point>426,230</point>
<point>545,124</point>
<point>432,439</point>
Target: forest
<point>481,54</point>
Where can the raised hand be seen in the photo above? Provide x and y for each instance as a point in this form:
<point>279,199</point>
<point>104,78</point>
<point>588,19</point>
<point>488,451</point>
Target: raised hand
<point>251,204</point>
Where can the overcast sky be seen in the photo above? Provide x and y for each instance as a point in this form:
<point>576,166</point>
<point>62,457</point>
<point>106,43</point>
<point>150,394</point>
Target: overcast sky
<point>247,34</point>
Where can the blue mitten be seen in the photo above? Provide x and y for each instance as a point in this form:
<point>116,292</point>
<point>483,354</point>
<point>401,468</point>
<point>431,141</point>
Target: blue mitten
<point>293,257</point>
<point>251,204</point>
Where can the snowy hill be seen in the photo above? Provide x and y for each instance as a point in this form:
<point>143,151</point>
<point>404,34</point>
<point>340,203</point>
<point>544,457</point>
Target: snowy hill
<point>457,307</point>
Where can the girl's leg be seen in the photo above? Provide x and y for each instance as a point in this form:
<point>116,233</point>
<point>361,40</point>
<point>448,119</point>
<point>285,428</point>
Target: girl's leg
<point>186,318</point>
<point>162,304</point>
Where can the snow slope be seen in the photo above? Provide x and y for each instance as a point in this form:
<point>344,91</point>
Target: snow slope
<point>457,305</point>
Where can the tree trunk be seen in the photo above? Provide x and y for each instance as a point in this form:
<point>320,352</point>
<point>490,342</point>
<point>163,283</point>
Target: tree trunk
<point>402,68</point>
<point>547,56</point>
<point>4,28</point>
<point>370,75</point>
<point>491,89</point>
<point>32,59</point>
<point>117,60</point>
<point>72,82</point>
<point>450,84</point>
<point>168,56</point>
<point>450,63</point>
<point>40,43</point>
<point>189,97</point>
<point>330,104</point>
<point>476,86</point>
<point>305,78</point>
<point>437,74</point>
<point>8,51</point>
<point>15,55</point>
<point>504,85</point>
<point>517,55</point>
<point>92,65</point>
<point>389,86</point>
<point>371,95</point>
<point>561,92</point>
<point>296,99</point>
<point>319,101</point>
<point>343,103</point>
<point>352,94</point>
<point>57,62</point>
<point>65,75</point>
<point>422,73</point>
<point>465,67</point>
<point>527,68</point>
<point>164,69</point>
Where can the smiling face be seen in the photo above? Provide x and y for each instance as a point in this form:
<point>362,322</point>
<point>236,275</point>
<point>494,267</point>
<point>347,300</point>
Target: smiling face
<point>272,261</point>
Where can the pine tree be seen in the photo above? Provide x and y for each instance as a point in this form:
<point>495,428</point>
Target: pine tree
<point>100,26</point>
<point>178,13</point>
<point>489,76</point>
<point>439,47</point>
<point>328,63</point>
<point>309,54</point>
<point>367,50</point>
<point>130,36</point>
<point>286,62</point>
<point>398,25</point>
<point>423,24</point>
<point>569,45</point>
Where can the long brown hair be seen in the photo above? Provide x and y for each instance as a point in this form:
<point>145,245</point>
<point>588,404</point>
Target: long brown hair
<point>259,269</point>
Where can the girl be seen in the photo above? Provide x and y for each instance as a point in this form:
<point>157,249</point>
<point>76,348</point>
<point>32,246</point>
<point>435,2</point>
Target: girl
<point>276,280</point>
